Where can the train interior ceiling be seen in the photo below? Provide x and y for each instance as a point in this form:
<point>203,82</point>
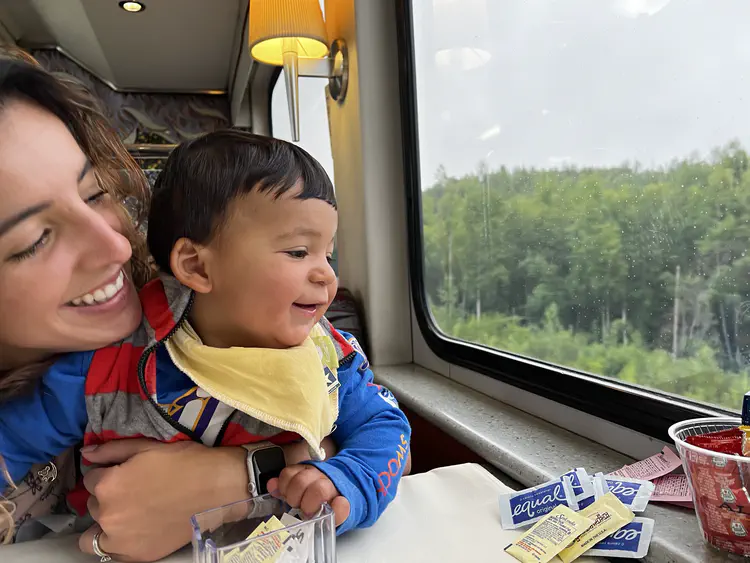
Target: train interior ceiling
<point>540,268</point>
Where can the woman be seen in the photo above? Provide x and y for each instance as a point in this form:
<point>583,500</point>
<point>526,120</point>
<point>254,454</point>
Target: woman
<point>65,239</point>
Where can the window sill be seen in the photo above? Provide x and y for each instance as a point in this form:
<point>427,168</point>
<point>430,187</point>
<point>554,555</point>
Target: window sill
<point>532,451</point>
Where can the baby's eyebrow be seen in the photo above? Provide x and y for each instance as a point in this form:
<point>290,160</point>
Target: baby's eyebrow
<point>300,232</point>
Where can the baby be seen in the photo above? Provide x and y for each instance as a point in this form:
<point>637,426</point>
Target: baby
<point>233,348</point>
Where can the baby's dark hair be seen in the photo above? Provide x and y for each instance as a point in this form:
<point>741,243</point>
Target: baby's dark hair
<point>202,177</point>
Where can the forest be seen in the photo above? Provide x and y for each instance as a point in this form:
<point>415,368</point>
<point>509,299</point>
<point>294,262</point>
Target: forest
<point>637,274</point>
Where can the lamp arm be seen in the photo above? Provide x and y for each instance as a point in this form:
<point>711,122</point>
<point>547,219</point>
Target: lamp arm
<point>291,77</point>
<point>335,68</point>
<point>315,68</point>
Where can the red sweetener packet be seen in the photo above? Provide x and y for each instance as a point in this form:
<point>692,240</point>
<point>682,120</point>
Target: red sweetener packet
<point>723,444</point>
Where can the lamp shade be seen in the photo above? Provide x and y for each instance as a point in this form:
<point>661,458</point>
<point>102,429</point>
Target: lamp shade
<point>278,25</point>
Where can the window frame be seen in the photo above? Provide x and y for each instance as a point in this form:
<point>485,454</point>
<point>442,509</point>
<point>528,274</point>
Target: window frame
<point>648,411</point>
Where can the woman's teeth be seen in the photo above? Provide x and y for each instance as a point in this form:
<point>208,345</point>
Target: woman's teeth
<point>103,294</point>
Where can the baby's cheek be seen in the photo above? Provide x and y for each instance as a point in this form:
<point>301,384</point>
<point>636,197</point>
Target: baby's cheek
<point>332,290</point>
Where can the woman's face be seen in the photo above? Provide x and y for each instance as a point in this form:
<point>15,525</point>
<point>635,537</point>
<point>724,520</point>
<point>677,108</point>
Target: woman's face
<point>62,256</point>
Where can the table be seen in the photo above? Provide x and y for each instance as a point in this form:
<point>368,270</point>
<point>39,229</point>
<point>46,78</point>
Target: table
<point>450,515</point>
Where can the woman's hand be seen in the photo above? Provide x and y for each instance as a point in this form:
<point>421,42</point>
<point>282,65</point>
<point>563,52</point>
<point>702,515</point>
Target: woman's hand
<point>143,503</point>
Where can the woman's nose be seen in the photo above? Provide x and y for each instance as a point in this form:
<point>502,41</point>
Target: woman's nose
<point>104,244</point>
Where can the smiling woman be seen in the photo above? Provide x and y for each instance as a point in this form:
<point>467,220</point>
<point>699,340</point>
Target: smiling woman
<point>66,261</point>
<point>60,243</point>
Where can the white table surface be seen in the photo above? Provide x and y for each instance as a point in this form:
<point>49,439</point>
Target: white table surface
<point>450,515</point>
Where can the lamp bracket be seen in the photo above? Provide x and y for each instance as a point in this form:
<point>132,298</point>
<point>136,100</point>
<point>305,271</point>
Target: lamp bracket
<point>335,68</point>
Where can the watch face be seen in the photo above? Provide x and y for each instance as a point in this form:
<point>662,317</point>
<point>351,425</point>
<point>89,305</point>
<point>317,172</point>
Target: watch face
<point>268,464</point>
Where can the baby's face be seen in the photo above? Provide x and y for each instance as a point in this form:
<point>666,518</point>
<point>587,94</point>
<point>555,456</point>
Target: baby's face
<point>270,271</point>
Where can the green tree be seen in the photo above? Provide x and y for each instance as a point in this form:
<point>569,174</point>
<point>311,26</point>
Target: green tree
<point>641,275</point>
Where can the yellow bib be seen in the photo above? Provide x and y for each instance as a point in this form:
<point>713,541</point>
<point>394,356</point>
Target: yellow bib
<point>294,389</point>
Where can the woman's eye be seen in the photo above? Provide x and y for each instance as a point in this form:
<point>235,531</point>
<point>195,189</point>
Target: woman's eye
<point>96,198</point>
<point>33,249</point>
<point>330,259</point>
<point>297,253</point>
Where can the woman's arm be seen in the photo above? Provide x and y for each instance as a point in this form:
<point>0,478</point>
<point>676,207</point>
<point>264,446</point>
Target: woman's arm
<point>144,502</point>
<point>39,426</point>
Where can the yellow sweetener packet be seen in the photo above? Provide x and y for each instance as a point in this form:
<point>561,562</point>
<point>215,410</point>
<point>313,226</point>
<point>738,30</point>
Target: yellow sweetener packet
<point>608,515</point>
<point>549,536</point>
<point>265,550</point>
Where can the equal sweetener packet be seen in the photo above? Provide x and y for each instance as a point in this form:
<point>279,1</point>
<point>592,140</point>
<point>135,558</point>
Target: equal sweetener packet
<point>633,493</point>
<point>522,508</point>
<point>629,542</point>
<point>583,487</point>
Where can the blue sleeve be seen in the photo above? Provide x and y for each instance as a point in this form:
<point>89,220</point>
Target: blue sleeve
<point>373,436</point>
<point>36,428</point>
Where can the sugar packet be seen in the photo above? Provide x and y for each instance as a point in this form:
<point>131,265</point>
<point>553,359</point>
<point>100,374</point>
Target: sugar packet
<point>633,493</point>
<point>521,508</point>
<point>629,542</point>
<point>608,515</point>
<point>583,487</point>
<point>549,536</point>
<point>292,544</point>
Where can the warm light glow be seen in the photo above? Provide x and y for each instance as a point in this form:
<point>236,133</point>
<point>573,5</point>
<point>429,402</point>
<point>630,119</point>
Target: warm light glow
<point>277,26</point>
<point>132,6</point>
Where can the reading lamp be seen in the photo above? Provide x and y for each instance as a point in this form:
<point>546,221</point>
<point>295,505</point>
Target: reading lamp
<point>292,34</point>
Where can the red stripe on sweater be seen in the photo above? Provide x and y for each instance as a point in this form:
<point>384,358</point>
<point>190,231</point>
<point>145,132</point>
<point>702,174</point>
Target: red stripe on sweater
<point>149,375</point>
<point>112,370</point>
<point>346,348</point>
<point>78,499</point>
<point>156,308</point>
<point>236,435</point>
<point>285,438</point>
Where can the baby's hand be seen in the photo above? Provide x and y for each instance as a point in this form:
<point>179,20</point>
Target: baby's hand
<point>306,488</point>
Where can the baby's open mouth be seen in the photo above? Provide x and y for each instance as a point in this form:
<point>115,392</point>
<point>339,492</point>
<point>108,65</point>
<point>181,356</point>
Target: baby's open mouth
<point>308,308</point>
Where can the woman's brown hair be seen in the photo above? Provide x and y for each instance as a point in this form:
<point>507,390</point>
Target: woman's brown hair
<point>22,78</point>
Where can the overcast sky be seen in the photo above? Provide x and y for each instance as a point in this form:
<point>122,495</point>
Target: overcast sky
<point>554,82</point>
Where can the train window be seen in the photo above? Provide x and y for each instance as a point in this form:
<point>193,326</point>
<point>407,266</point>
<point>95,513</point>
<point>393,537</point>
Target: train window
<point>585,188</point>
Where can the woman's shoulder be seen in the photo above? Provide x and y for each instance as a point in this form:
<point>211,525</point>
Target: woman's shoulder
<point>64,378</point>
<point>73,365</point>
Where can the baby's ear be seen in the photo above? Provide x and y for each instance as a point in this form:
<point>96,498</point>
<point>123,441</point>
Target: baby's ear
<point>188,263</point>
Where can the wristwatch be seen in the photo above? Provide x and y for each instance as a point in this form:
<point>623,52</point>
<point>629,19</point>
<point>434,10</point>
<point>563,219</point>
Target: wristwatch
<point>264,462</point>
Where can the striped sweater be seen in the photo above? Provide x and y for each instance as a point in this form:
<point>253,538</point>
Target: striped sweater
<point>124,398</point>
